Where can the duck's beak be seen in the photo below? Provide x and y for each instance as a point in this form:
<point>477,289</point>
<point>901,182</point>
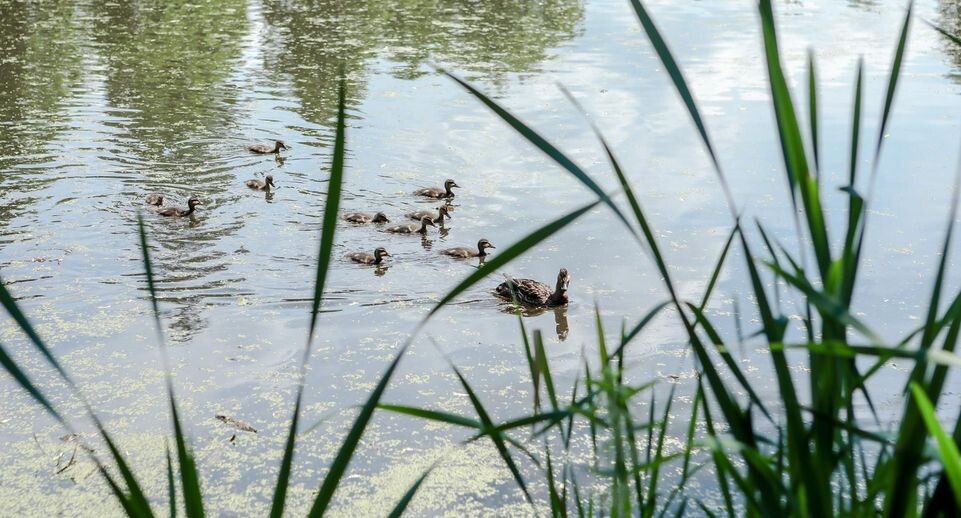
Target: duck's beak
<point>387,254</point>
<point>491,246</point>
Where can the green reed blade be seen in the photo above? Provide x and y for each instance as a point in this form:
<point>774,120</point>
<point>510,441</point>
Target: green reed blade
<point>190,480</point>
<point>432,415</point>
<point>677,77</point>
<point>555,154</point>
<point>401,506</point>
<point>540,356</point>
<point>350,443</point>
<point>892,85</point>
<point>331,207</point>
<point>813,109</point>
<point>171,487</point>
<point>950,457</point>
<point>496,438</point>
<point>20,376</point>
<point>792,145</point>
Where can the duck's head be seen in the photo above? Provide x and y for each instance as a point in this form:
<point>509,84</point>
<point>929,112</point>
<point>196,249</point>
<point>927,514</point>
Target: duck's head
<point>563,280</point>
<point>442,212</point>
<point>380,252</point>
<point>450,183</point>
<point>269,180</point>
<point>427,221</point>
<point>193,202</point>
<point>380,217</point>
<point>279,144</point>
<point>484,244</point>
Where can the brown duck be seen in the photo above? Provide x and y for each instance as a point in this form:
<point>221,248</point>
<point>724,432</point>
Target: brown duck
<point>364,258</point>
<point>439,219</point>
<point>261,185</point>
<point>181,212</point>
<point>154,199</point>
<point>366,217</point>
<point>533,293</point>
<point>411,228</point>
<point>437,192</point>
<point>466,253</point>
<point>267,148</point>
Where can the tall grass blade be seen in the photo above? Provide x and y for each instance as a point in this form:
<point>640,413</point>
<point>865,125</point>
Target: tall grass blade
<point>677,77</point>
<point>545,146</point>
<point>813,110</point>
<point>190,480</point>
<point>347,448</point>
<point>331,207</point>
<point>497,438</point>
<point>950,457</point>
<point>892,85</point>
<point>401,506</point>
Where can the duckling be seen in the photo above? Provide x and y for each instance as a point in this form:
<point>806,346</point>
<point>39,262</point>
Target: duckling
<point>259,185</point>
<point>364,258</point>
<point>365,217</point>
<point>180,212</point>
<point>466,253</point>
<point>535,293</point>
<point>441,214</point>
<point>266,148</point>
<point>411,228</point>
<point>437,192</point>
<point>155,199</point>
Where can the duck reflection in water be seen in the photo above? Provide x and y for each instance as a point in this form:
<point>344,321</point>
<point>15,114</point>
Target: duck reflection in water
<point>561,326</point>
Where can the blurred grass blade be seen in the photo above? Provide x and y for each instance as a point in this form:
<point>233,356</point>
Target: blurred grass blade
<point>950,457</point>
<point>497,438</point>
<point>24,381</point>
<point>677,77</point>
<point>813,109</point>
<point>540,356</point>
<point>349,446</point>
<point>548,148</point>
<point>171,487</point>
<point>190,480</point>
<point>331,207</point>
<point>432,415</point>
<point>511,253</point>
<point>892,85</point>
<point>401,506</point>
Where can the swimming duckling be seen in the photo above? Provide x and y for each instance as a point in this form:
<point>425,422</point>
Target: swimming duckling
<point>535,293</point>
<point>259,185</point>
<point>180,212</point>
<point>411,228</point>
<point>267,148</point>
<point>439,219</point>
<point>365,258</point>
<point>155,199</point>
<point>466,253</point>
<point>365,217</point>
<point>437,192</point>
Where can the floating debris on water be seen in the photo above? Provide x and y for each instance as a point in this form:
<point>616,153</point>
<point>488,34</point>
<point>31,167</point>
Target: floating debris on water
<point>236,423</point>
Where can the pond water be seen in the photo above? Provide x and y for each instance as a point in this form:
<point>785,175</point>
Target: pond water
<point>104,102</point>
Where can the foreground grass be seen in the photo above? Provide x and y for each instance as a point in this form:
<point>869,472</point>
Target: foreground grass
<point>813,456</point>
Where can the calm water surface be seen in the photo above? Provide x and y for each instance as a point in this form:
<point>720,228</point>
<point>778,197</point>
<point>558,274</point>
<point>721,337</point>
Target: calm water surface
<point>104,102</point>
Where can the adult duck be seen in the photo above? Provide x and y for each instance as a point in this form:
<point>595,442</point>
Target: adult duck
<point>412,228</point>
<point>265,149</point>
<point>437,192</point>
<point>261,185</point>
<point>533,293</point>
<point>179,212</point>
<point>467,253</point>
<point>376,258</point>
<point>439,219</point>
<point>366,217</point>
<point>155,199</point>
